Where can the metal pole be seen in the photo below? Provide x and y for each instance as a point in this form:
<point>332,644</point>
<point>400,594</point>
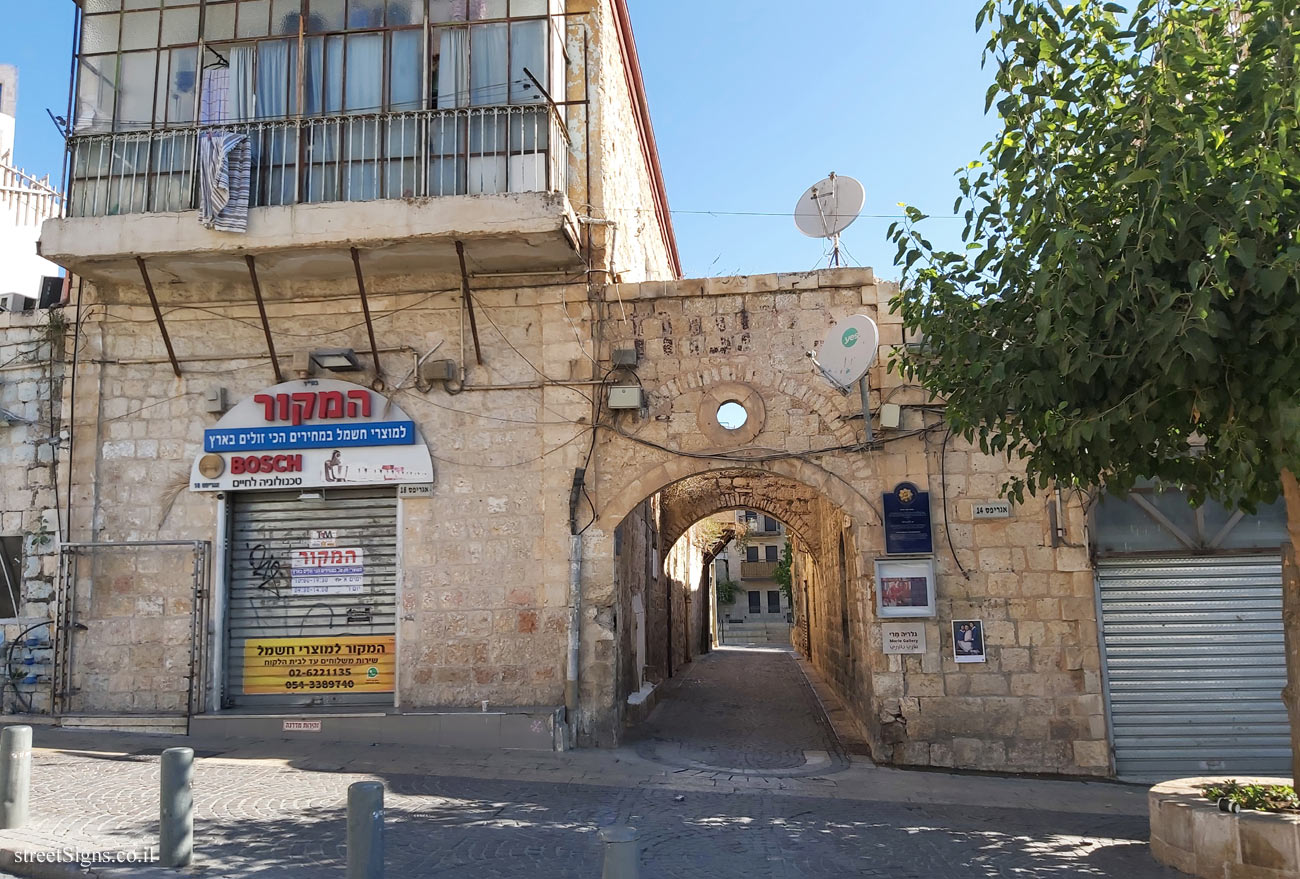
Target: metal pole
<point>15,775</point>
<point>622,859</point>
<point>366,830</point>
<point>176,808</point>
<point>867,436</point>
<point>469,301</point>
<point>157,313</point>
<point>261,311</point>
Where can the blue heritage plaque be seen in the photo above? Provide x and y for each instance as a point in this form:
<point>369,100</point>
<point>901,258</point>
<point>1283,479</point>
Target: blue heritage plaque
<point>907,521</point>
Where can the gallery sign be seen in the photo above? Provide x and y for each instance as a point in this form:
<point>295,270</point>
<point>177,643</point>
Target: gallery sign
<point>312,433</point>
<point>902,638</point>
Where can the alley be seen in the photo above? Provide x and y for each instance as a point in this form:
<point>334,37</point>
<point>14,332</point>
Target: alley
<point>741,710</point>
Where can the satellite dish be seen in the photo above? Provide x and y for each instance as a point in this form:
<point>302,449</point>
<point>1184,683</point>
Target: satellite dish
<point>849,350</point>
<point>828,208</point>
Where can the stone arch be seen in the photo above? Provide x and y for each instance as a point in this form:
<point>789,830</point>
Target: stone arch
<point>697,497</point>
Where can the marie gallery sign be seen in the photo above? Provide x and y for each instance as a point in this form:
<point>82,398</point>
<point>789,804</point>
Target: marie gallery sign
<point>312,434</point>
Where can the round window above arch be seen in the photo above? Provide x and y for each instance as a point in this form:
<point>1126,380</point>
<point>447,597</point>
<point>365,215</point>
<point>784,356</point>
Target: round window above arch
<point>731,414</point>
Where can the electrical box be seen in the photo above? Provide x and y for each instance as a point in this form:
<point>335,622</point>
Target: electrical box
<point>890,416</point>
<point>625,397</point>
<point>625,357</point>
<point>214,401</point>
<point>438,371</point>
<point>16,302</point>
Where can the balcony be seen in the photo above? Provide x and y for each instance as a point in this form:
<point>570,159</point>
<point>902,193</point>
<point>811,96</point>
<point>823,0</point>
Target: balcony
<point>401,186</point>
<point>757,570</point>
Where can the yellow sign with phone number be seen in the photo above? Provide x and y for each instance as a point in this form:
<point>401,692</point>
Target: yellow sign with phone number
<point>365,664</point>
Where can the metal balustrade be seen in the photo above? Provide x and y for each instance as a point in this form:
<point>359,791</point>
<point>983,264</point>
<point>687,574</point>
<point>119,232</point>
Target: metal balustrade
<point>356,157</point>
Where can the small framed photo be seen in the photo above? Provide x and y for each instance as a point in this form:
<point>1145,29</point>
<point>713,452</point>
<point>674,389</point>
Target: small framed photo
<point>905,587</point>
<point>968,641</point>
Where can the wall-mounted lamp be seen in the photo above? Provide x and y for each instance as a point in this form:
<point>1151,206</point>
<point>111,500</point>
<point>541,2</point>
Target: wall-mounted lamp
<point>336,359</point>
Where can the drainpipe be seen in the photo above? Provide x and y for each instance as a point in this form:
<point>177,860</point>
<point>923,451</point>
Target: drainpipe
<point>575,613</point>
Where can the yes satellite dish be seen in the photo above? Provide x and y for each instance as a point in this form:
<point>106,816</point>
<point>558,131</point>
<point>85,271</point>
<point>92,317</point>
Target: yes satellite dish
<point>828,208</point>
<point>849,350</point>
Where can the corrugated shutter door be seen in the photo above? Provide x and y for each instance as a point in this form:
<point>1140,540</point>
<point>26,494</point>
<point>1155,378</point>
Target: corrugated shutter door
<point>1196,666</point>
<point>266,527</point>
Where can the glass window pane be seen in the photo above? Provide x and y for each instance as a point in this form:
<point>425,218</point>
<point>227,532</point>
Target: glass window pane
<point>334,75</point>
<point>254,18</point>
<point>527,7</point>
<point>325,16</point>
<point>480,9</point>
<point>527,55</point>
<point>275,77</point>
<point>365,14</point>
<point>363,91</point>
<point>1265,530</point>
<point>405,71</point>
<point>102,6</point>
<point>285,15</point>
<point>176,88</point>
<point>140,30</point>
<point>219,22</point>
<point>135,100</point>
<point>450,63</point>
<point>140,4</point>
<point>489,59</point>
<point>404,12</point>
<point>99,33</point>
<point>180,26</point>
<point>96,90</point>
<point>446,10</point>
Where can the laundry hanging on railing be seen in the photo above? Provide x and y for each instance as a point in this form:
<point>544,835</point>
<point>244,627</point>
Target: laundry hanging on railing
<point>225,169</point>
<point>225,156</point>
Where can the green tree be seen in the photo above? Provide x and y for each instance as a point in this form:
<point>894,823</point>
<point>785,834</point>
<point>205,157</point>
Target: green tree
<point>1126,304</point>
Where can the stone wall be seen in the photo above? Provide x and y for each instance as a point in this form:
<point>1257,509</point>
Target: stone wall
<point>31,377</point>
<point>1036,704</point>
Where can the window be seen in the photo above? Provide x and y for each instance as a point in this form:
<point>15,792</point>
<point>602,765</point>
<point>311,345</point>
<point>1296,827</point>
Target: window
<point>773,601</point>
<point>771,553</point>
<point>755,601</point>
<point>11,567</point>
<point>751,553</point>
<point>769,524</point>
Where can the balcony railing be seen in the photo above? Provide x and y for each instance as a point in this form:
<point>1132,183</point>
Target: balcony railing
<point>364,157</point>
<point>757,570</point>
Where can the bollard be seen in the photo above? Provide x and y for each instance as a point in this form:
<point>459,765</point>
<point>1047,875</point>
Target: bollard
<point>176,808</point>
<point>622,859</point>
<point>366,830</point>
<point>15,775</point>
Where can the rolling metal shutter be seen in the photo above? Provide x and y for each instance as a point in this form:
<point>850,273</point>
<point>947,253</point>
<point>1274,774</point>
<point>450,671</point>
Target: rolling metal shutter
<point>1195,665</point>
<point>265,529</point>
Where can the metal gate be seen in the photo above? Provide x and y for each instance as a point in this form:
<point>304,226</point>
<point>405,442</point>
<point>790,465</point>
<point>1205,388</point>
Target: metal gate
<point>1195,665</point>
<point>283,584</point>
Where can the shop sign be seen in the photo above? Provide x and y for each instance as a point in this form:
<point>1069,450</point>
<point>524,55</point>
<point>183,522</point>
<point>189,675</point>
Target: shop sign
<point>327,571</point>
<point>314,433</point>
<point>898,638</point>
<point>907,521</point>
<point>320,665</point>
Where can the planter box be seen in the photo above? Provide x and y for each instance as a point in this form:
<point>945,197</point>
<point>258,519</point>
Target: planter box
<point>1190,834</point>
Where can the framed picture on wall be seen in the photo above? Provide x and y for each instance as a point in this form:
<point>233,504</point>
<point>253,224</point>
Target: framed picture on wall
<point>905,587</point>
<point>968,641</point>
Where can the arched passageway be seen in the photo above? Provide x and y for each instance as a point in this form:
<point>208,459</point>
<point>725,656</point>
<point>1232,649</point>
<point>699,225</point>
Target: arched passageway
<point>725,707</point>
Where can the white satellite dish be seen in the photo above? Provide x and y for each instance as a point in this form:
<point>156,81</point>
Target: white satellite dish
<point>849,350</point>
<point>828,208</point>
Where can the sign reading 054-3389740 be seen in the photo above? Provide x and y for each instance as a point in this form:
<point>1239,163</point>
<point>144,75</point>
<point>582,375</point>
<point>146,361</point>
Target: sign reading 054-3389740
<point>312,434</point>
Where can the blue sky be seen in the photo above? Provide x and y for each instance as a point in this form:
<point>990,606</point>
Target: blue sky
<point>753,101</point>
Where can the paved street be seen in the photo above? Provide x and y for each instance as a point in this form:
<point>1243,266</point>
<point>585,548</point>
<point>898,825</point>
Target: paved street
<point>734,775</point>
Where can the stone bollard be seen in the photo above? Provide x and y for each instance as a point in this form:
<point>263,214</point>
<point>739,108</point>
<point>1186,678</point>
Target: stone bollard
<point>366,830</point>
<point>15,775</point>
<point>622,858</point>
<point>176,808</point>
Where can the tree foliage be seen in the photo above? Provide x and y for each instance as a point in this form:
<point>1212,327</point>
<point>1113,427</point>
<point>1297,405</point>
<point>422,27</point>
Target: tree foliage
<point>783,574</point>
<point>1128,289</point>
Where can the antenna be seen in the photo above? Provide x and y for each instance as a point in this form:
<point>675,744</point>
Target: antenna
<point>846,354</point>
<point>828,208</point>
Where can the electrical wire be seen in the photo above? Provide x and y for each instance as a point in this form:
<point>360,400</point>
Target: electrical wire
<point>481,466</point>
<point>943,485</point>
<point>511,345</point>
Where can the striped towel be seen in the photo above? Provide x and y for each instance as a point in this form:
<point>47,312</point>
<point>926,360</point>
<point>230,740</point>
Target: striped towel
<point>225,171</point>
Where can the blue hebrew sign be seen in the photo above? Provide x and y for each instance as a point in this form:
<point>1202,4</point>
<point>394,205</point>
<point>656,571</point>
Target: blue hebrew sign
<point>907,521</point>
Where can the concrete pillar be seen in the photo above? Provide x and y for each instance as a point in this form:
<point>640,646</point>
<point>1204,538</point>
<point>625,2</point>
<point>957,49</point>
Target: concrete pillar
<point>15,775</point>
<point>622,855</point>
<point>176,808</point>
<point>366,830</point>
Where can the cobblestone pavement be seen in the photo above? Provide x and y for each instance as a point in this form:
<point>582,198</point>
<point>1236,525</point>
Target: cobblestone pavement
<point>277,809</point>
<point>741,710</point>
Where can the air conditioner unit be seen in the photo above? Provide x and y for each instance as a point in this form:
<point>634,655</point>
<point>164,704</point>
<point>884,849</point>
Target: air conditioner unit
<point>15,302</point>
<point>51,291</point>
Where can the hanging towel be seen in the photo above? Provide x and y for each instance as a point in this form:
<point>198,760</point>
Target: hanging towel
<point>225,169</point>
